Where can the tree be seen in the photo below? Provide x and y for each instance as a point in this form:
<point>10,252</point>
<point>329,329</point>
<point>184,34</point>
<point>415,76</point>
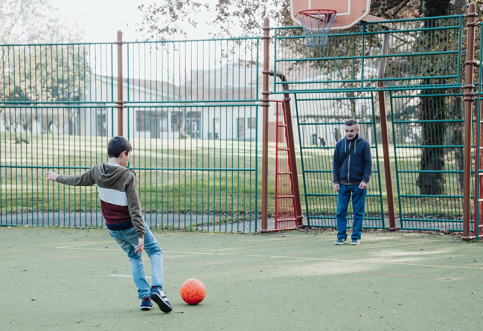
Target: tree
<point>168,19</point>
<point>171,19</point>
<point>39,72</point>
<point>29,21</point>
<point>394,9</point>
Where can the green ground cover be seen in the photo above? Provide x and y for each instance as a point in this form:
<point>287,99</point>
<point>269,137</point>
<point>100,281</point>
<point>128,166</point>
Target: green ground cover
<point>66,279</point>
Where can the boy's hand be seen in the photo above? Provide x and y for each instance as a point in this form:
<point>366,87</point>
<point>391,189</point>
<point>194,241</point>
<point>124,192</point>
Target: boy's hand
<point>363,185</point>
<point>52,176</point>
<point>140,246</point>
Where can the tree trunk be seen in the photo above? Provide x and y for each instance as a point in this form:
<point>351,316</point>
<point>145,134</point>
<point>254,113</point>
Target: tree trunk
<point>182,124</point>
<point>456,112</point>
<point>433,108</point>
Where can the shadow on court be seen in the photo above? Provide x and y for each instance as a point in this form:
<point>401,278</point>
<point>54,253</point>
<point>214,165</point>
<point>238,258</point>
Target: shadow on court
<point>64,279</point>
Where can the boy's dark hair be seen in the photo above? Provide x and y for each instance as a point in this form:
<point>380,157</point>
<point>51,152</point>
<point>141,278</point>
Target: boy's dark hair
<point>351,122</point>
<point>117,145</point>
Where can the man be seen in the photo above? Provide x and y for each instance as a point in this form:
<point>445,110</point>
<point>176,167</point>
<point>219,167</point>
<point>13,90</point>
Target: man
<point>352,169</point>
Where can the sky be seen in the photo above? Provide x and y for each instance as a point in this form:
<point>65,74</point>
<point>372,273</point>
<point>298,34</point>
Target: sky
<point>101,19</point>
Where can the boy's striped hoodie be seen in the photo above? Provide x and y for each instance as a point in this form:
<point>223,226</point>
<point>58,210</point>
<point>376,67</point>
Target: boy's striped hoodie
<point>118,192</point>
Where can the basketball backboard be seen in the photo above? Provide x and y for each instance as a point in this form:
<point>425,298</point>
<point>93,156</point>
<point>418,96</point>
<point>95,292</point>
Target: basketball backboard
<point>349,12</point>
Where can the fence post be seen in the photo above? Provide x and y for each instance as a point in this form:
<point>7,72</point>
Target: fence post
<point>119,103</point>
<point>265,104</point>
<point>469,98</point>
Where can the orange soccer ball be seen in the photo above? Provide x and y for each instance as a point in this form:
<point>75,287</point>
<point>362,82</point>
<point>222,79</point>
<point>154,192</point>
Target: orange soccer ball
<point>193,291</point>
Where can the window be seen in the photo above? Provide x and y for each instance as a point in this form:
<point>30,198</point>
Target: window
<point>251,122</point>
<point>151,120</point>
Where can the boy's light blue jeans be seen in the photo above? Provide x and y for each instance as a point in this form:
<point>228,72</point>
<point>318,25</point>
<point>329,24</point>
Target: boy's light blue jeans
<point>358,204</point>
<point>128,239</point>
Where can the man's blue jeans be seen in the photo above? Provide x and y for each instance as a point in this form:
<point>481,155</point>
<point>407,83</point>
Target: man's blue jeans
<point>358,204</point>
<point>128,239</point>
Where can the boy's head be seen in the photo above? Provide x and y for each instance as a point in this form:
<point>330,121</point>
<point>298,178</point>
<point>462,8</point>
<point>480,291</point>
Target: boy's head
<point>117,146</point>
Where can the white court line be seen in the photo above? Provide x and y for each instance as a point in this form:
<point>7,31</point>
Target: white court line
<point>125,276</point>
<point>97,243</point>
<point>87,244</point>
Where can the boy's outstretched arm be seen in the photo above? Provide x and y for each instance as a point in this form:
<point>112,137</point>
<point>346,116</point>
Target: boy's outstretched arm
<point>84,179</point>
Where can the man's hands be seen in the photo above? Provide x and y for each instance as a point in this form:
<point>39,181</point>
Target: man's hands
<point>140,246</point>
<point>52,176</point>
<point>362,186</point>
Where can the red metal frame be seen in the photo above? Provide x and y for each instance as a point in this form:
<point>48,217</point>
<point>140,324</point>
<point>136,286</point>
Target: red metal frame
<point>286,218</point>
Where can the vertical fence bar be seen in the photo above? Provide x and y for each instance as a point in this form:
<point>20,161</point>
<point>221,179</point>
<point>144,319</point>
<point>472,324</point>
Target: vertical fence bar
<point>119,102</point>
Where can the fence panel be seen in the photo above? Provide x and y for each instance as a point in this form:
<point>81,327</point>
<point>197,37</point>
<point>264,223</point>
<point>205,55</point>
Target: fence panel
<point>193,114</point>
<point>321,118</point>
<point>421,53</point>
<point>428,130</point>
<point>189,109</point>
<point>413,58</point>
<point>47,99</point>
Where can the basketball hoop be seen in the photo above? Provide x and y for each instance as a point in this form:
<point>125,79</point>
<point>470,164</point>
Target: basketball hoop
<point>317,24</point>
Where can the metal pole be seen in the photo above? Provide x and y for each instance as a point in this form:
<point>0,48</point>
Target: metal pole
<point>265,104</point>
<point>385,140</point>
<point>120,102</point>
<point>469,100</point>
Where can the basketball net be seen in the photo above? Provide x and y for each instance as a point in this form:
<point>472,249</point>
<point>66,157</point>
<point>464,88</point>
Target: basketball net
<point>317,24</point>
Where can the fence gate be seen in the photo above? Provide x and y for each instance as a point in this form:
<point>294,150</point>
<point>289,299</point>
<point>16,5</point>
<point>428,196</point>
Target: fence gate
<point>321,120</point>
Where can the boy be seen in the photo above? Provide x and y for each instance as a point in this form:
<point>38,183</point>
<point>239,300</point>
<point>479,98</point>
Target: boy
<point>121,209</point>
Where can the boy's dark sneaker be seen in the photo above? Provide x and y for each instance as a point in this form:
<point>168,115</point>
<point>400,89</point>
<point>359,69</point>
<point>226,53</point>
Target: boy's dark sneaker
<point>340,241</point>
<point>146,304</point>
<point>356,242</point>
<point>159,297</point>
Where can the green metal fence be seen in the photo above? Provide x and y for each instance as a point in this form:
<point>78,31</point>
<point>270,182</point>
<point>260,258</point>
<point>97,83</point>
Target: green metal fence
<point>413,67</point>
<point>189,108</point>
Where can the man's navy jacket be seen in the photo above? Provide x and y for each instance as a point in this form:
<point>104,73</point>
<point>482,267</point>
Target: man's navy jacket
<point>357,166</point>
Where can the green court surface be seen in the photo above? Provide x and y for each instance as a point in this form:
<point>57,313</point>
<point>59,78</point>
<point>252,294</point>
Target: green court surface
<point>65,279</point>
